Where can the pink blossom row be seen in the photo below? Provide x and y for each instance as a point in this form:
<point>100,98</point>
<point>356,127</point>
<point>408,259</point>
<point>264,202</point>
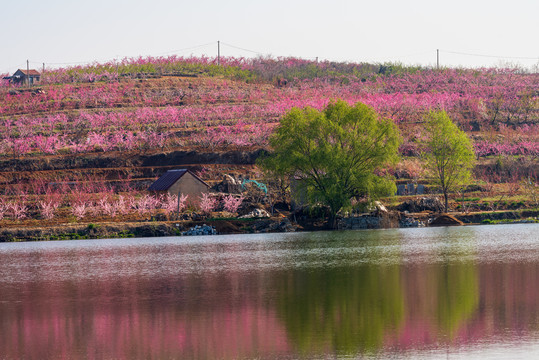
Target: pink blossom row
<point>483,95</point>
<point>485,148</point>
<point>112,206</point>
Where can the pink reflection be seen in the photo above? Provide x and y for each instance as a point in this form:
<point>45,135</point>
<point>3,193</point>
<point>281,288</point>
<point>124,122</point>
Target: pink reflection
<point>101,322</point>
<point>235,315</point>
<point>505,307</point>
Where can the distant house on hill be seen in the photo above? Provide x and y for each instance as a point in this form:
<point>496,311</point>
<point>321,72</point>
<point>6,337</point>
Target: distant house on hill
<point>28,77</point>
<point>181,181</point>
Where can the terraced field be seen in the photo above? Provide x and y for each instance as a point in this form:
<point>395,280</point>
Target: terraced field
<point>94,138</point>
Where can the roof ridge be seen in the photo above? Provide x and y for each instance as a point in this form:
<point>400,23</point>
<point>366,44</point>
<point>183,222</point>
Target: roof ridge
<point>170,177</point>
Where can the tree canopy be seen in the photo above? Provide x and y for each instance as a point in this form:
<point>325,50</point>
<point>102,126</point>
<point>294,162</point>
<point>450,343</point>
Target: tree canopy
<point>450,156</point>
<point>335,154</point>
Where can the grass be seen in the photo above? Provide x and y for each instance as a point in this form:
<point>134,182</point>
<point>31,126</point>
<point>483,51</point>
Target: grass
<point>467,199</point>
<point>510,221</point>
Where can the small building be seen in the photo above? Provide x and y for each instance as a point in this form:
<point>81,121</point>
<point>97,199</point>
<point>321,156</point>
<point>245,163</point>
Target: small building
<point>181,181</point>
<point>25,77</point>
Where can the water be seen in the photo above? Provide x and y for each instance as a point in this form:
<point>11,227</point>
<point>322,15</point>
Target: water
<point>466,292</point>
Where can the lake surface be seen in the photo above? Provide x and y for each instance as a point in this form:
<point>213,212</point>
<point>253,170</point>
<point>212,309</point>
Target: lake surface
<point>461,292</point>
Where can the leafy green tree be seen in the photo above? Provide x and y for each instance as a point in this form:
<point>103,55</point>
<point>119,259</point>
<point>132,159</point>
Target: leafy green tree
<point>450,156</point>
<point>335,154</point>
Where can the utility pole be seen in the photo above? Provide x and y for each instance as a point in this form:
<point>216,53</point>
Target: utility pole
<point>178,207</point>
<point>437,58</point>
<point>28,72</point>
<point>218,52</point>
<point>43,69</point>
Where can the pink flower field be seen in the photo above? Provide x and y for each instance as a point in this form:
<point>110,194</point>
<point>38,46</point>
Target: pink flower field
<point>149,106</point>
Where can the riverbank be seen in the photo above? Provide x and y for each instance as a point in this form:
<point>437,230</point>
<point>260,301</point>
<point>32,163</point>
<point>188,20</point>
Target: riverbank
<point>225,226</point>
<point>143,229</point>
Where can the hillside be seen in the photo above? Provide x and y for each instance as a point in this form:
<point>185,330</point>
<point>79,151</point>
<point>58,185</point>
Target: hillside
<point>94,137</point>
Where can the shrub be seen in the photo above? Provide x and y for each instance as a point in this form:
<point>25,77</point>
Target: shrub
<point>207,203</point>
<point>231,203</point>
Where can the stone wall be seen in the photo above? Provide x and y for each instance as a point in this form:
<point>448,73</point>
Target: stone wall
<point>359,222</point>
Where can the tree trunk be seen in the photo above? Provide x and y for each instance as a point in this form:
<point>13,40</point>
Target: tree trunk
<point>446,201</point>
<point>332,221</point>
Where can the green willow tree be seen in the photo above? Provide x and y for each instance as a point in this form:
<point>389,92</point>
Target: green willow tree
<point>450,156</point>
<point>335,154</point>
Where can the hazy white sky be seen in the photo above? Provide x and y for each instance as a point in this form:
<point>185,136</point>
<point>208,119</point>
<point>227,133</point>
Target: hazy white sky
<point>72,31</point>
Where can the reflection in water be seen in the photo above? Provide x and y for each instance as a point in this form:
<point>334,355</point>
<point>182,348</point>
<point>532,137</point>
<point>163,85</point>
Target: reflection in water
<point>396,293</point>
<point>192,318</point>
<point>360,308</point>
<point>342,310</point>
<point>456,283</point>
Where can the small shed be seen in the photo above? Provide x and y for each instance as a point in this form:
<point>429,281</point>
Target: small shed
<point>181,181</point>
<point>26,77</point>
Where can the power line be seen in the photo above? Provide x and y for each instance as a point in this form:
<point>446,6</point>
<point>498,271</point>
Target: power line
<point>67,63</point>
<point>490,56</point>
<point>102,60</point>
<point>18,66</point>
<point>260,53</point>
<point>240,48</point>
<point>414,54</point>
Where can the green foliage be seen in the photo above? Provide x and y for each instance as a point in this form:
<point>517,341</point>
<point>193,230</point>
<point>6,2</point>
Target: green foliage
<point>458,296</point>
<point>125,234</point>
<point>450,156</point>
<point>347,311</point>
<point>467,199</point>
<point>352,310</point>
<point>335,154</point>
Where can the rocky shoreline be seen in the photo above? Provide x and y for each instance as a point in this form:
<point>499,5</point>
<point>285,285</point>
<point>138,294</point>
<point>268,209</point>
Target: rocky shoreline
<point>257,225</point>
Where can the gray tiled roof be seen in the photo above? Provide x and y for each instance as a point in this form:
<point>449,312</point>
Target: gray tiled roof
<point>29,72</point>
<point>169,178</point>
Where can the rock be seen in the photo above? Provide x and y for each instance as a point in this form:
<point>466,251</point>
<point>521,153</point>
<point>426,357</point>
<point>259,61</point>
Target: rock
<point>423,204</point>
<point>228,185</point>
<point>186,216</point>
<point>222,214</point>
<point>409,222</point>
<point>284,225</point>
<point>229,179</point>
<point>159,217</point>
<point>200,230</point>
<point>287,226</point>
<point>281,205</point>
<point>196,217</point>
<point>359,222</point>
<point>226,227</point>
<point>446,220</point>
<point>474,188</point>
<point>261,225</point>
<point>256,213</point>
<point>380,207</point>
